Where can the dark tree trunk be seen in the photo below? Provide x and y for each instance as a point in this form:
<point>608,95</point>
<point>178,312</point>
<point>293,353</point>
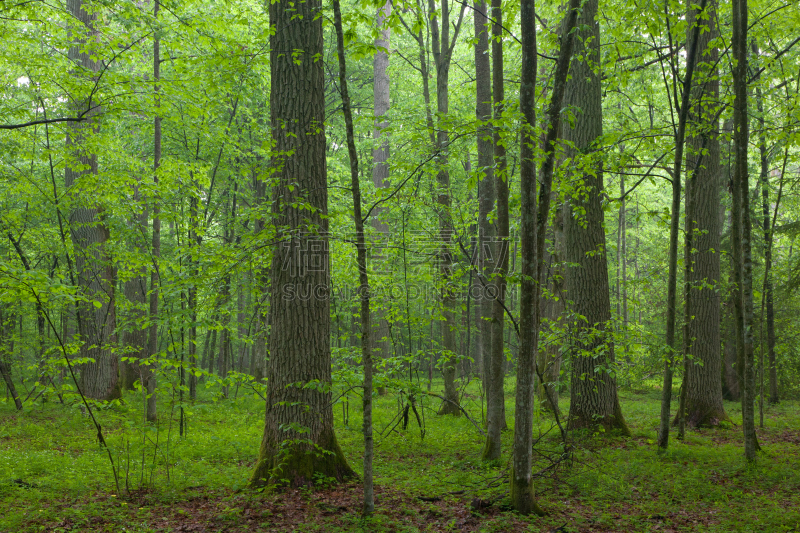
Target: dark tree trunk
<point>95,270</point>
<point>486,192</point>
<point>361,251</point>
<point>299,339</point>
<point>593,391</point>
<point>553,308</point>
<point>495,400</point>
<point>533,232</point>
<point>442,53</point>
<point>702,386</point>
<point>6,349</point>
<point>741,234</point>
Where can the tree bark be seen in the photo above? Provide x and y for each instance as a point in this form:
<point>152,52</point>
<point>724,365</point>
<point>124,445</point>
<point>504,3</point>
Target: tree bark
<point>442,53</point>
<point>95,270</point>
<point>299,440</point>
<point>702,386</point>
<point>495,400</point>
<point>593,388</point>
<point>742,253</point>
<point>361,247</point>
<point>768,238</point>
<point>534,227</point>
<point>148,371</point>
<point>486,191</point>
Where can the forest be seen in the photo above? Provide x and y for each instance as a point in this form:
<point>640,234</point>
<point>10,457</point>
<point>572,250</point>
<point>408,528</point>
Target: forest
<point>399,265</point>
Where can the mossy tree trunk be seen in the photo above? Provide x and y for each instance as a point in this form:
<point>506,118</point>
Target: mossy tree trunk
<point>299,441</point>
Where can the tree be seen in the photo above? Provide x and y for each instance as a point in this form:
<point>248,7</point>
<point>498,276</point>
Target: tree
<point>533,230</point>
<point>486,192</point>
<point>361,251</point>
<point>495,400</point>
<point>742,234</point>
<point>442,53</point>
<point>702,387</point>
<point>593,389</point>
<point>96,277</point>
<point>299,440</point>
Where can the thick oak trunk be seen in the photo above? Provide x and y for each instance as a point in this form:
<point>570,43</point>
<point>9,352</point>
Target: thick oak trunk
<point>299,440</point>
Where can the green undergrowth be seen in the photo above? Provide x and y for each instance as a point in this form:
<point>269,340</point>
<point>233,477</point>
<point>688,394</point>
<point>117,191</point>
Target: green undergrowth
<point>55,477</point>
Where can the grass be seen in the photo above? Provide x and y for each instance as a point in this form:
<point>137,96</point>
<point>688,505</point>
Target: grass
<point>55,477</point>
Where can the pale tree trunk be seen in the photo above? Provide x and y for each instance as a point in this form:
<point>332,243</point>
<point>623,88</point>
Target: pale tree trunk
<point>741,234</point>
<point>299,440</point>
<point>593,389</point>
<point>148,372</point>
<point>533,231</point>
<point>95,271</point>
<point>768,304</point>
<point>495,401</point>
<point>486,192</point>
<point>366,328</point>
<point>702,387</point>
<point>380,163</point>
<point>442,53</point>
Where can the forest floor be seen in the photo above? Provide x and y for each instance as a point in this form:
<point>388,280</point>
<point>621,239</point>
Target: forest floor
<point>54,476</point>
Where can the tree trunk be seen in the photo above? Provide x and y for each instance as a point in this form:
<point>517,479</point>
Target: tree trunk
<point>533,231</point>
<point>380,164</point>
<point>486,192</point>
<point>442,51</point>
<point>366,328</point>
<point>299,440</point>
<point>741,234</point>
<point>95,270</point>
<point>6,349</point>
<point>495,400</point>
<point>593,391</point>
<point>553,308</point>
<point>148,372</point>
<point>768,237</point>
<point>703,388</point>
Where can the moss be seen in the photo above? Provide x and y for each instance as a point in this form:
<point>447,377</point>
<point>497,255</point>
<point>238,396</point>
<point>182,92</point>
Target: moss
<point>609,423</point>
<point>299,464</point>
<point>522,498</point>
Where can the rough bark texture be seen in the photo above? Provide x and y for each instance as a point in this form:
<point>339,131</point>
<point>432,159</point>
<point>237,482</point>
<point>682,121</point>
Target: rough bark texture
<point>299,440</point>
<point>702,386</point>
<point>495,401</point>
<point>95,270</point>
<point>593,391</point>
